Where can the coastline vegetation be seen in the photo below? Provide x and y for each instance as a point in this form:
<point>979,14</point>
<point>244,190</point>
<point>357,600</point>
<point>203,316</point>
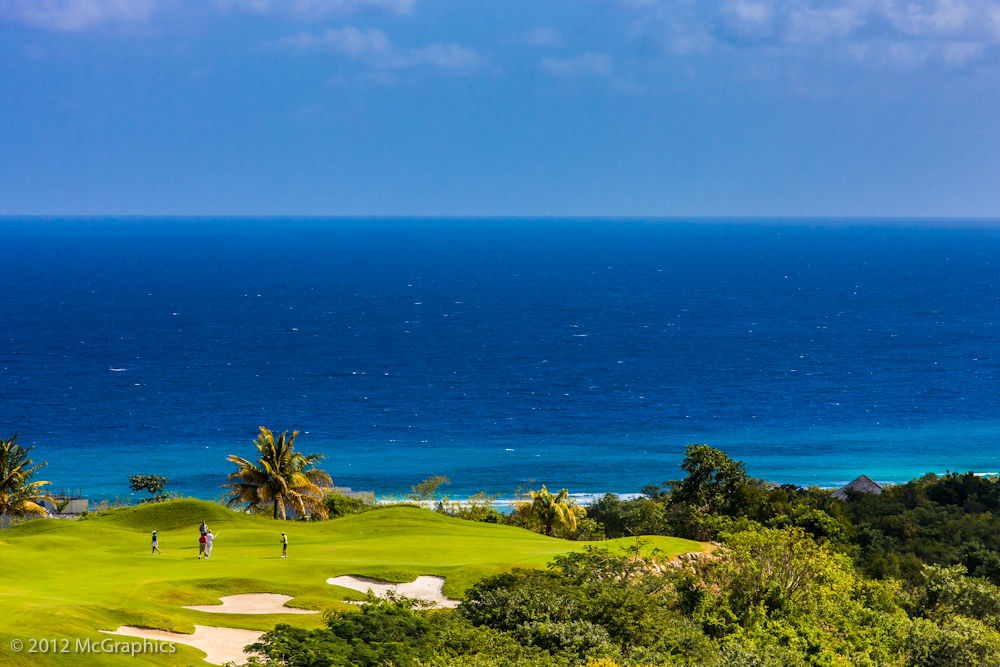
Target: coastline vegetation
<point>798,578</point>
<point>947,520</point>
<point>712,570</point>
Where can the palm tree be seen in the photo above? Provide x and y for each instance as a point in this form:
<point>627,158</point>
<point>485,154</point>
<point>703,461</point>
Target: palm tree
<point>19,496</point>
<point>551,510</point>
<point>281,477</point>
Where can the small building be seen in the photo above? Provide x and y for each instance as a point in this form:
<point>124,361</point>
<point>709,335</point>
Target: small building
<point>863,484</point>
<point>73,505</point>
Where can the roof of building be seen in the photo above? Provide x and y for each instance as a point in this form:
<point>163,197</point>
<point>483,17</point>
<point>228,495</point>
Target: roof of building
<point>863,484</point>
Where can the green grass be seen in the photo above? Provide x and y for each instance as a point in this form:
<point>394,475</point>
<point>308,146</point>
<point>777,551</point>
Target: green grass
<point>71,579</point>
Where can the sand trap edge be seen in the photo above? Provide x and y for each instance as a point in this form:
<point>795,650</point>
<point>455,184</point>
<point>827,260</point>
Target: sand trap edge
<point>221,645</point>
<point>425,587</point>
<point>252,603</point>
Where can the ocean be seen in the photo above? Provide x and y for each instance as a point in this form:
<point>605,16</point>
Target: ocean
<point>583,354</point>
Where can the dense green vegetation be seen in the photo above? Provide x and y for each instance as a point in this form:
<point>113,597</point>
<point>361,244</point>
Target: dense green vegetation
<point>773,597</point>
<point>902,579</point>
<point>797,578</point>
<point>946,520</point>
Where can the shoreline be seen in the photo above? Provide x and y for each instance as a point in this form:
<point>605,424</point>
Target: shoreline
<point>507,500</point>
<point>583,465</point>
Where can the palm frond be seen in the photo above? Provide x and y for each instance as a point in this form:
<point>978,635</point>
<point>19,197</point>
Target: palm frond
<point>279,478</point>
<point>19,496</point>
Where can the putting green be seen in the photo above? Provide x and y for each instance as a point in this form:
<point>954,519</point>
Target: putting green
<point>67,580</point>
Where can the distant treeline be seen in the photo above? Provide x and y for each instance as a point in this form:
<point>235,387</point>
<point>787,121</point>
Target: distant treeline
<point>941,520</point>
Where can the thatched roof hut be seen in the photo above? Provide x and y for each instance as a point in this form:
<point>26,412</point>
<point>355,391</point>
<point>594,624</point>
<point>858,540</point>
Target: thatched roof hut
<point>863,484</point>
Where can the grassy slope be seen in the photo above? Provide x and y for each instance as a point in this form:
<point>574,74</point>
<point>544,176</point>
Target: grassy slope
<point>72,578</point>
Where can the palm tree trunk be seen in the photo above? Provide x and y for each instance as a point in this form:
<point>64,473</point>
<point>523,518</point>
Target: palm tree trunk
<point>275,509</point>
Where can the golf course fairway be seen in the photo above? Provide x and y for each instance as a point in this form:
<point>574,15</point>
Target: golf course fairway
<point>69,580</point>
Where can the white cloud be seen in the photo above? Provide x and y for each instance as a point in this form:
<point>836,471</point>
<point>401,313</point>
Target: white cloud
<point>585,64</point>
<point>639,4</point>
<point>819,25</point>
<point>959,54</point>
<point>749,19</point>
<point>452,57</point>
<point>75,15</point>
<point>348,41</point>
<point>312,8</point>
<point>373,48</point>
<point>545,37</point>
<point>930,17</point>
<point>908,55</point>
<point>906,33</point>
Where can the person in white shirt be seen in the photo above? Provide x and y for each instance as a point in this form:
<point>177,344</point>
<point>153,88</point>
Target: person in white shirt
<point>209,539</point>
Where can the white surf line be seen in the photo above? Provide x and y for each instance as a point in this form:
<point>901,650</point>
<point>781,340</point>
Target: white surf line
<point>222,645</point>
<point>430,589</point>
<point>252,603</point>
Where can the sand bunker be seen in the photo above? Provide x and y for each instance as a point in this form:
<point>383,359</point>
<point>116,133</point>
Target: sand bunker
<point>424,588</point>
<point>221,644</point>
<point>252,603</point>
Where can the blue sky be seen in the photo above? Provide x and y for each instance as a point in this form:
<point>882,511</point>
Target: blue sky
<point>442,107</point>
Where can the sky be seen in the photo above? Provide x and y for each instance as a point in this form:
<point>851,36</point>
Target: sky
<point>632,108</point>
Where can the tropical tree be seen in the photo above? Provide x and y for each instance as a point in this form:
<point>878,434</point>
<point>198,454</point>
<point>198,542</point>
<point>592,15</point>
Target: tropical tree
<point>551,510</point>
<point>427,489</point>
<point>152,483</point>
<point>19,496</point>
<point>281,477</point>
<point>714,481</point>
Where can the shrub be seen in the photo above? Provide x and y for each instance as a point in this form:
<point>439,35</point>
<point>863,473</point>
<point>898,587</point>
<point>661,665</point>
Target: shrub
<point>337,504</point>
<point>479,507</point>
<point>947,592</point>
<point>581,638</point>
<point>959,642</point>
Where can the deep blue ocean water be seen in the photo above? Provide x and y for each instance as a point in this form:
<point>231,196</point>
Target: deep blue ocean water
<point>579,354</point>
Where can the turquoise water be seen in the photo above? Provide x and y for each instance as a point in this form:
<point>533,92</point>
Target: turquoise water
<point>583,354</point>
<point>584,465</point>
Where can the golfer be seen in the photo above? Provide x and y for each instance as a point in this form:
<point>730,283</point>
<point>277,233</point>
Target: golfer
<point>156,546</point>
<point>202,545</point>
<point>209,540</point>
<point>284,545</point>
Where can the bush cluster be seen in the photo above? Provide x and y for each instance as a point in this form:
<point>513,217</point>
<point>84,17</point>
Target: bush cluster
<point>769,597</point>
<point>798,578</point>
